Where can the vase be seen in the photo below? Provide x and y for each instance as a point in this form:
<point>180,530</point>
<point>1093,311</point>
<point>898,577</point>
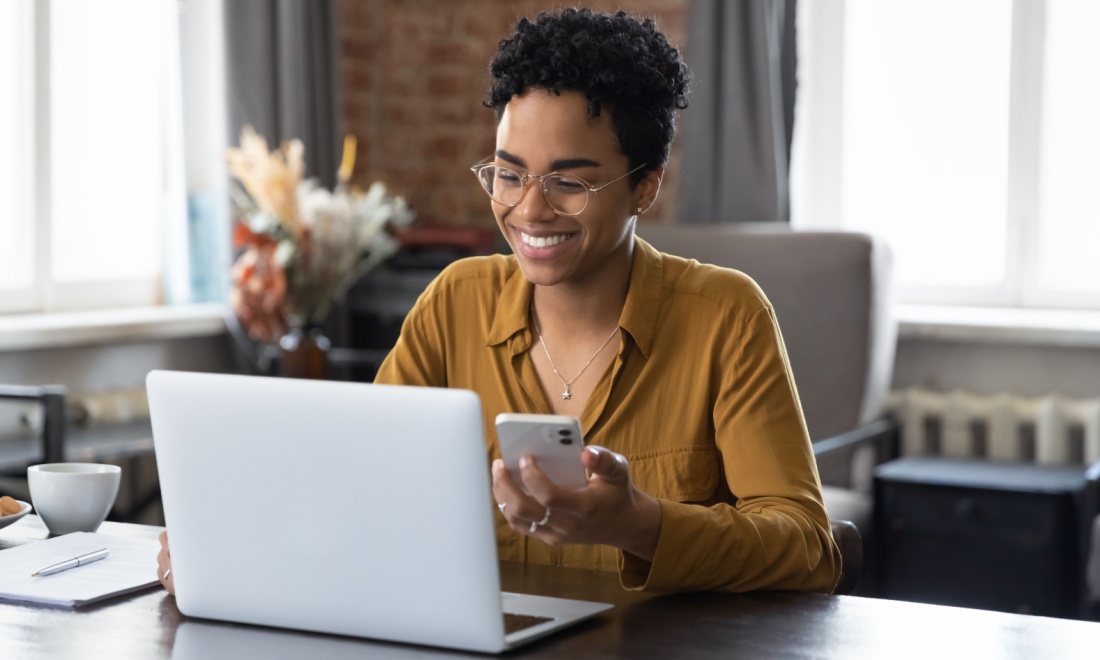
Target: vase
<point>303,353</point>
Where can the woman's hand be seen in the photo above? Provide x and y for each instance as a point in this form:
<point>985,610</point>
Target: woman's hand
<point>608,510</point>
<point>164,565</point>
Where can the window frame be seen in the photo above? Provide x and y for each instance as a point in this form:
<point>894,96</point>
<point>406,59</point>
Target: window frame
<point>817,182</point>
<point>44,294</point>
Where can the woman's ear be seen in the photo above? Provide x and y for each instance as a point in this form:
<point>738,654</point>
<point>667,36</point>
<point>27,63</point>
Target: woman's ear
<point>645,193</point>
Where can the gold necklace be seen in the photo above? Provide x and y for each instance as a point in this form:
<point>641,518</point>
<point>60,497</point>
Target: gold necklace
<point>565,393</point>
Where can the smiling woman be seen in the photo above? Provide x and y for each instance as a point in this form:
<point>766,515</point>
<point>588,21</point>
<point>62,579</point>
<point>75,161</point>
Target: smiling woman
<point>700,470</point>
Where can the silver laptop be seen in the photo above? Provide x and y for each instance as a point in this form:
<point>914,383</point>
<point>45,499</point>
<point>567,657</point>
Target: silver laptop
<point>342,508</point>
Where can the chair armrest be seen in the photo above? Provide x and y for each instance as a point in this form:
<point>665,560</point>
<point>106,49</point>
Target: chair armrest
<point>52,398</point>
<point>848,539</point>
<point>835,455</point>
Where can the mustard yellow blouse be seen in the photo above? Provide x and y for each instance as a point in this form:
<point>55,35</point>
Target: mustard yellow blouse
<point>700,399</point>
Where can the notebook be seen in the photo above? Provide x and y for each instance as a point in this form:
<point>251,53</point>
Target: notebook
<point>130,566</point>
<point>333,507</point>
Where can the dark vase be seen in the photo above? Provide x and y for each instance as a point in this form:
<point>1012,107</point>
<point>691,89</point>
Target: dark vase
<point>304,353</point>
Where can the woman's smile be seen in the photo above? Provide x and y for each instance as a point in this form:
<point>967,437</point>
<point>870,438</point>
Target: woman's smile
<point>543,244</point>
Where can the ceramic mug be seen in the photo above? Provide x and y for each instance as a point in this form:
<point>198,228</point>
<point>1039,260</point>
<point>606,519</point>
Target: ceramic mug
<point>73,497</point>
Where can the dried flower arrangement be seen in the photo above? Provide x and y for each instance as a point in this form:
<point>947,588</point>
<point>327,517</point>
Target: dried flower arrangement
<point>301,245</point>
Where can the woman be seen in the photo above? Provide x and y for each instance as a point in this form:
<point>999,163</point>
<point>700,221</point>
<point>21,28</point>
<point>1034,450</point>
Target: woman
<point>701,470</point>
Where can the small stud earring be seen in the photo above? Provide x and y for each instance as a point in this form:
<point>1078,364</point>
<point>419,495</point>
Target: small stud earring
<point>639,210</point>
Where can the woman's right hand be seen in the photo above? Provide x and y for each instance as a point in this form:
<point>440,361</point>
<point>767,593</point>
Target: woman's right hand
<point>164,564</point>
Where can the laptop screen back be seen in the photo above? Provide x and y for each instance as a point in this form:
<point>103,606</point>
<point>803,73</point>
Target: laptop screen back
<point>333,507</point>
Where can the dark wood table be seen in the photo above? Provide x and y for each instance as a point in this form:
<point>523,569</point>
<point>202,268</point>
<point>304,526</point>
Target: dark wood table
<point>704,625</point>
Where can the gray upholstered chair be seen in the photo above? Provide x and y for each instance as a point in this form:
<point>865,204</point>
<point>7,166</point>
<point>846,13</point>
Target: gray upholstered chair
<point>831,293</point>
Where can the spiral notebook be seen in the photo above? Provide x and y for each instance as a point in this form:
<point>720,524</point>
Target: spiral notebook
<point>130,566</point>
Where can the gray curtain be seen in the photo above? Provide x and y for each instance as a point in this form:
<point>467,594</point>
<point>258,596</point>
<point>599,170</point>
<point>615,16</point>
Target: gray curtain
<point>283,76</point>
<point>737,131</point>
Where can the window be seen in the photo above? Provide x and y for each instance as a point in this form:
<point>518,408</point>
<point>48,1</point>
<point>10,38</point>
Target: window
<point>91,91</point>
<point>966,133</point>
<point>16,160</point>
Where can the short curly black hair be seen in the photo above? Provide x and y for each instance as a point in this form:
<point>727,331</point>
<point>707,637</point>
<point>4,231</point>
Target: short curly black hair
<point>617,61</point>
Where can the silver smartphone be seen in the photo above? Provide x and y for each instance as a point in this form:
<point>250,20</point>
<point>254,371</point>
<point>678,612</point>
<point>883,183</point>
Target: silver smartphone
<point>554,441</point>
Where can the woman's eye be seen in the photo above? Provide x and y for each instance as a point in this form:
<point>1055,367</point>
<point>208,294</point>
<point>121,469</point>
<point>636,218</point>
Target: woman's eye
<point>568,187</point>
<point>508,177</point>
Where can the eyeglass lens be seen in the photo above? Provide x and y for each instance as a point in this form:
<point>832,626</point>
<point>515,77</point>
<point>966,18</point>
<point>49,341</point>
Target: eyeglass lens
<point>564,193</point>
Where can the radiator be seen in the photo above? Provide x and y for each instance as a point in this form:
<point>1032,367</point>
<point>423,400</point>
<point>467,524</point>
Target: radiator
<point>1050,429</point>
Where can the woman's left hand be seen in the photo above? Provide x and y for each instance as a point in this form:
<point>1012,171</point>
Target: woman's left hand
<point>608,510</point>
<point>164,565</point>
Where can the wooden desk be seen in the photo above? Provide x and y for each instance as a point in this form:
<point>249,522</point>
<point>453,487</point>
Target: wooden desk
<point>706,625</point>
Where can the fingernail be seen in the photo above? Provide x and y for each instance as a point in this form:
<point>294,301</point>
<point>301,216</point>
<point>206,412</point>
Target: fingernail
<point>524,461</point>
<point>595,451</point>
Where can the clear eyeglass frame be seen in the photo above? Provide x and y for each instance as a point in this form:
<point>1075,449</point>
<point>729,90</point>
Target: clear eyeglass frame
<point>547,183</point>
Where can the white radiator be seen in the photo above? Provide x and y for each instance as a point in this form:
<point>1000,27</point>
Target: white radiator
<point>1050,429</point>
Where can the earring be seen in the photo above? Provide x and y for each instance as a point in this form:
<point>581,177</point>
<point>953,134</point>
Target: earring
<point>639,210</point>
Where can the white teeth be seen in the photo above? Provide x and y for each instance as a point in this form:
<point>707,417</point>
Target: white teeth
<point>543,241</point>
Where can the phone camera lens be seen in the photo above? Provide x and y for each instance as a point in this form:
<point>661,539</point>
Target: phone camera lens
<point>566,441</point>
<point>564,432</point>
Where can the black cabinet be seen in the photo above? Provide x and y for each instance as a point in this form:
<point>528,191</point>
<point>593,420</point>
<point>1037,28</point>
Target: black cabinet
<point>999,536</point>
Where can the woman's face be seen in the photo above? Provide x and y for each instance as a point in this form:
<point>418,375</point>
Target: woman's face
<point>540,132</point>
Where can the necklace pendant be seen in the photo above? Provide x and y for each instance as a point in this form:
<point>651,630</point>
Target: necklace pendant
<point>566,394</point>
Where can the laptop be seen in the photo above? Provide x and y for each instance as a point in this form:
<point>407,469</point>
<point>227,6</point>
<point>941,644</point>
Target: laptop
<point>333,507</point>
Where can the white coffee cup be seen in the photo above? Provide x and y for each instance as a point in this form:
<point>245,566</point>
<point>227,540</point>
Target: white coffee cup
<point>73,497</point>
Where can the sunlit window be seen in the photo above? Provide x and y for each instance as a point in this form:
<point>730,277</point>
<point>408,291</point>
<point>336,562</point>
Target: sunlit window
<point>964,132</point>
<point>925,128</point>
<point>88,93</point>
<point>1069,174</point>
<point>17,158</point>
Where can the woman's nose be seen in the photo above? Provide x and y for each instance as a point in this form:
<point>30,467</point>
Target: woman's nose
<point>533,205</point>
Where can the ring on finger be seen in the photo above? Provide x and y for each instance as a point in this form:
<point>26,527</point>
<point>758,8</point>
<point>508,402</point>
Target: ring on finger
<point>540,523</point>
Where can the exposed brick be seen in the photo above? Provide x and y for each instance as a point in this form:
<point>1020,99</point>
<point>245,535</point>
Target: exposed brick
<point>358,77</point>
<point>449,82</point>
<point>360,13</point>
<point>415,75</point>
<point>443,147</point>
<point>357,50</point>
<point>449,52</point>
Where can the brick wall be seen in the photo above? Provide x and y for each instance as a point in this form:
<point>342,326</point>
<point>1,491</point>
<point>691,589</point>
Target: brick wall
<point>415,76</point>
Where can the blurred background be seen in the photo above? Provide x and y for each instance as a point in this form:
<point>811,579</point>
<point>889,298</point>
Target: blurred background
<point>961,136</point>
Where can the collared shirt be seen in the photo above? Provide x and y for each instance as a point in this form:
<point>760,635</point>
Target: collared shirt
<point>699,398</point>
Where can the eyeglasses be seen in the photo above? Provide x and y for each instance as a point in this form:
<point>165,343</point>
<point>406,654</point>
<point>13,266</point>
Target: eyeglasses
<point>565,193</point>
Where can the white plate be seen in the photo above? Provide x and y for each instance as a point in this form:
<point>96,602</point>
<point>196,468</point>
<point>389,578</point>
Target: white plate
<point>24,509</point>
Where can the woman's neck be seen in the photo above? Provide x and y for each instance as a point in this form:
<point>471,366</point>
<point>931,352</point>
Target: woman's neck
<point>574,312</point>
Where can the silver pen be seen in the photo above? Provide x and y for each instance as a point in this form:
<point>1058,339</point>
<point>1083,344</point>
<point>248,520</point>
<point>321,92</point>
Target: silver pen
<point>72,563</point>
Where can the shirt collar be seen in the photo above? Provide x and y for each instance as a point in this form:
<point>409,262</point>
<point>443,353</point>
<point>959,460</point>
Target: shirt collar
<point>643,298</point>
<point>512,307</point>
<point>639,317</point>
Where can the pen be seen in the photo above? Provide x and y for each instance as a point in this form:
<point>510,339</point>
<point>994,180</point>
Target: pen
<point>72,563</point>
